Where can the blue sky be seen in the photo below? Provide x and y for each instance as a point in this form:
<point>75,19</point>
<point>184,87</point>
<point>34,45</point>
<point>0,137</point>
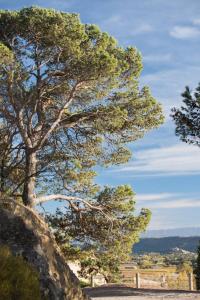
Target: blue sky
<point>164,172</point>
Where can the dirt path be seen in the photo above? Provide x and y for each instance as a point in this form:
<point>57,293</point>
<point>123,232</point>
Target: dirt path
<point>118,292</point>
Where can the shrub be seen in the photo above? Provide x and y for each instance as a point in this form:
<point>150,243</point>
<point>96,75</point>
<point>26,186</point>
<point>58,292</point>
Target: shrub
<point>18,280</point>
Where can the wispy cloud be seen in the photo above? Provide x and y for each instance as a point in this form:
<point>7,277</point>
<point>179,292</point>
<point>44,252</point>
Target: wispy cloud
<point>154,197</point>
<point>196,22</point>
<point>167,200</point>
<point>113,20</point>
<point>177,204</point>
<point>185,32</point>
<point>141,29</point>
<point>165,207</point>
<point>121,25</point>
<point>180,159</point>
<point>168,84</point>
<point>159,58</point>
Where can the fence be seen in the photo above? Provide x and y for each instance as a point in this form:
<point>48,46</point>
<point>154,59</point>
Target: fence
<point>160,279</point>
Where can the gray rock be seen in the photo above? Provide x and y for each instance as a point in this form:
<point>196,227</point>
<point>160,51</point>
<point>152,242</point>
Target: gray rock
<point>26,234</point>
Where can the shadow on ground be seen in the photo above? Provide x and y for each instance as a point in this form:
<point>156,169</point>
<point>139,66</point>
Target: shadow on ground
<point>122,291</point>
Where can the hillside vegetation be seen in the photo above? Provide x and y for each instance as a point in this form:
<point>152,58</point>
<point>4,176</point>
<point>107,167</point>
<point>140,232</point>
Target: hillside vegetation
<point>166,245</point>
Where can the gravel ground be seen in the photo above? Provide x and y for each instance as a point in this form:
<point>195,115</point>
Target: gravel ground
<point>126,293</point>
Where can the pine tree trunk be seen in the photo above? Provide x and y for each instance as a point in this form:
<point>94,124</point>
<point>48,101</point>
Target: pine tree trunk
<point>29,183</point>
<point>2,176</point>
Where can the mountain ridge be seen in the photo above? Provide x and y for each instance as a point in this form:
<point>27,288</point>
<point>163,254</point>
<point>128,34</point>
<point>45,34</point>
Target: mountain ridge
<point>172,232</point>
<point>166,245</point>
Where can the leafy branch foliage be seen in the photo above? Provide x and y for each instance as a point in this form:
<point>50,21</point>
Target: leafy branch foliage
<point>198,268</point>
<point>70,101</point>
<point>17,279</point>
<point>70,95</point>
<point>187,118</point>
<point>99,245</point>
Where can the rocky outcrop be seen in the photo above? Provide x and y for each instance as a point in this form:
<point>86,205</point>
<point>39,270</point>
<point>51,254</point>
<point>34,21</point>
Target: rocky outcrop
<point>26,234</point>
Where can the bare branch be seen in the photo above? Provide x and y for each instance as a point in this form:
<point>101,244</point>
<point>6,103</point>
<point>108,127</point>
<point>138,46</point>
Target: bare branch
<point>66,198</point>
<point>70,199</point>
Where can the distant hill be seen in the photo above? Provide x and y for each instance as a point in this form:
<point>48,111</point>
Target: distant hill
<point>166,244</point>
<point>182,232</point>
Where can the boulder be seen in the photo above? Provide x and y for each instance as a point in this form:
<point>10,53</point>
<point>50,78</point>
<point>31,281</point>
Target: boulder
<point>26,233</point>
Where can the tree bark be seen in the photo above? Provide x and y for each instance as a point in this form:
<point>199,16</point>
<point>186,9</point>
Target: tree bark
<point>28,195</point>
<point>2,176</point>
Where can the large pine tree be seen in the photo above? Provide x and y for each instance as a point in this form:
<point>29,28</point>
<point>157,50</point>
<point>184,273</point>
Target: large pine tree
<point>71,95</point>
<point>70,101</point>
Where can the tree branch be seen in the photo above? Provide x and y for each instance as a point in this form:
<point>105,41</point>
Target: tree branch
<point>70,199</point>
<point>65,198</point>
<point>59,116</point>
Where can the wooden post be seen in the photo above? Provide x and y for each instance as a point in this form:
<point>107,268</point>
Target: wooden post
<point>138,280</point>
<point>163,280</point>
<point>191,282</point>
<point>92,280</point>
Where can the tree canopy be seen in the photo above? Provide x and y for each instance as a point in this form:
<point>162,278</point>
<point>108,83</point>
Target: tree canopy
<point>69,99</point>
<point>187,117</point>
<point>98,243</point>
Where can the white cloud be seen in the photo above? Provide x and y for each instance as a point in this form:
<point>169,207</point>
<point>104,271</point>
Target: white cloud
<point>196,22</point>
<point>154,197</point>
<point>167,200</point>
<point>179,159</point>
<point>158,58</point>
<point>177,204</point>
<point>119,24</point>
<point>113,20</point>
<point>185,32</point>
<point>167,85</point>
<point>141,29</point>
<point>163,207</point>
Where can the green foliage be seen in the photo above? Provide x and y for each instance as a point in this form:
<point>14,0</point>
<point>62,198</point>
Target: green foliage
<point>187,118</point>
<point>17,279</point>
<point>198,268</point>
<point>10,171</point>
<point>101,240</point>
<point>105,263</point>
<point>84,284</point>
<point>177,260</point>
<point>185,267</point>
<point>175,266</point>
<point>53,65</point>
<point>6,55</point>
<point>70,94</point>
<point>145,262</point>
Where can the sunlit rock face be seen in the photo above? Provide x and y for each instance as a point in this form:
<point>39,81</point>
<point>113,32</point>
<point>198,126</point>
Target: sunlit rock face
<point>26,234</point>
